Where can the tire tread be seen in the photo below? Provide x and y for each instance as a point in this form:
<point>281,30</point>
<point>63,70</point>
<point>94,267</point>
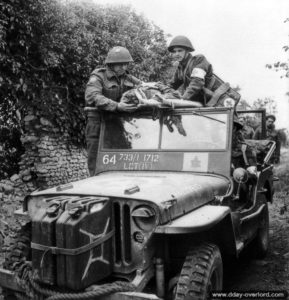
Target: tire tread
<point>191,284</point>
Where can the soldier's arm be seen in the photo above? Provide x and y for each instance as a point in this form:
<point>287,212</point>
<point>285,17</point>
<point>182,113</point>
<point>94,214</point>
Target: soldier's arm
<point>197,77</point>
<point>240,137</point>
<point>257,134</point>
<point>94,96</point>
<point>135,80</point>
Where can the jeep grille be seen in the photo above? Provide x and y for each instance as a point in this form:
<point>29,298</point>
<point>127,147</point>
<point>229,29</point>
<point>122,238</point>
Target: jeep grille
<point>122,233</point>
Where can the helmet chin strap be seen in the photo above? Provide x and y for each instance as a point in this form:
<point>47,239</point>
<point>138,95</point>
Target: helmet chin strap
<point>185,56</point>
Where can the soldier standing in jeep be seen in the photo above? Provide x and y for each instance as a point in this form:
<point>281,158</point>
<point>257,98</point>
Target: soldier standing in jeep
<point>103,91</point>
<point>193,72</point>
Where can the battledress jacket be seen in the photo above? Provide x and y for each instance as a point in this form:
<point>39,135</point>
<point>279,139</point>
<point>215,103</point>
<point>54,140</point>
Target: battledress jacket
<point>104,89</point>
<point>192,74</point>
<point>248,132</point>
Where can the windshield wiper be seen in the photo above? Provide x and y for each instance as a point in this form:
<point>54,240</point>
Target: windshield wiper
<point>205,116</point>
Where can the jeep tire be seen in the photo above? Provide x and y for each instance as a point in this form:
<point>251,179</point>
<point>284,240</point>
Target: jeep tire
<point>201,274</point>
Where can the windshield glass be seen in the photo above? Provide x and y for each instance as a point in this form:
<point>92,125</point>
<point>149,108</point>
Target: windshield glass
<point>131,133</point>
<point>195,132</point>
<point>183,132</point>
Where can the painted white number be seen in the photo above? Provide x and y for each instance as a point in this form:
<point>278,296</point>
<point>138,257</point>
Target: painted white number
<point>106,159</point>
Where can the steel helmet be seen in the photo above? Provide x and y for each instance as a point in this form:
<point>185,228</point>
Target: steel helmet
<point>181,41</point>
<point>118,55</point>
<point>271,117</point>
<point>237,122</point>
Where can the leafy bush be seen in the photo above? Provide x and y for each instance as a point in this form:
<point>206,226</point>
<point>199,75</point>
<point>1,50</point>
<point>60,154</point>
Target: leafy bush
<point>282,66</point>
<point>10,144</point>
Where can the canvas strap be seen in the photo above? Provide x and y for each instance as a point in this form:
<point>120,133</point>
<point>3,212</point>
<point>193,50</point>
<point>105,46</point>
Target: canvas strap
<point>74,251</point>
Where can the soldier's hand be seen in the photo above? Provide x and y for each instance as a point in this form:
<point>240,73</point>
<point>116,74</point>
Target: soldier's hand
<point>125,107</point>
<point>243,147</point>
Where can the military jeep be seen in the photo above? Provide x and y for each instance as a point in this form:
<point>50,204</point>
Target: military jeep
<point>164,210</point>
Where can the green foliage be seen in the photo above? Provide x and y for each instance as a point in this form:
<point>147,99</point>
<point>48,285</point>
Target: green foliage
<point>267,103</point>
<point>10,133</point>
<point>283,135</point>
<point>282,66</point>
<point>48,49</point>
<point>243,105</point>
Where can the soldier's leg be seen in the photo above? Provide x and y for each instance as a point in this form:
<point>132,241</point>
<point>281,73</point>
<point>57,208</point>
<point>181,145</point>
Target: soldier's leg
<point>92,139</point>
<point>251,156</point>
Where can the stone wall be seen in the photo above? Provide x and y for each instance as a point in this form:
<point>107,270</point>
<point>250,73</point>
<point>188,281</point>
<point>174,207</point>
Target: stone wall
<point>12,193</point>
<point>50,158</point>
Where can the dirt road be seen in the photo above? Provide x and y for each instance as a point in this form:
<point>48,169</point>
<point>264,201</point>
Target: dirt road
<point>271,273</point>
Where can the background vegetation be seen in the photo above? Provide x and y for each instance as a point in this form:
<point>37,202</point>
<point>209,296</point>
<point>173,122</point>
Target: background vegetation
<point>282,66</point>
<point>47,51</point>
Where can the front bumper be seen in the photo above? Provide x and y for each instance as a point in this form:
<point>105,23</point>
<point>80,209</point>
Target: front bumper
<point>8,280</point>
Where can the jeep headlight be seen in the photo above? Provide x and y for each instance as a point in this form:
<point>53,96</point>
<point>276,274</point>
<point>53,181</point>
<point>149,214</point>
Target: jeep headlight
<point>145,218</point>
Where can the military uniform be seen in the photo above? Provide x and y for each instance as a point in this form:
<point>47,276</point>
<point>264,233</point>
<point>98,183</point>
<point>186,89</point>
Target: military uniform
<point>237,142</point>
<point>103,90</point>
<point>248,132</point>
<point>192,74</point>
<point>238,160</point>
<point>272,135</point>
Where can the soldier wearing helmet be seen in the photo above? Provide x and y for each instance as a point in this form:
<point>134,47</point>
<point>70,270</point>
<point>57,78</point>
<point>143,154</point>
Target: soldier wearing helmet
<point>242,154</point>
<point>271,134</point>
<point>193,72</point>
<point>103,91</point>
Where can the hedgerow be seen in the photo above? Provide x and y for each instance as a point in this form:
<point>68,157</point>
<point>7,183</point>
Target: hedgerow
<point>49,48</point>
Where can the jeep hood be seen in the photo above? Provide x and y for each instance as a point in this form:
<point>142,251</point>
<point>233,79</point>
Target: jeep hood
<point>151,186</point>
<point>185,191</point>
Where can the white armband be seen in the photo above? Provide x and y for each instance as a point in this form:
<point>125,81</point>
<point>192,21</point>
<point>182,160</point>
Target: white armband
<point>197,72</point>
<point>92,79</point>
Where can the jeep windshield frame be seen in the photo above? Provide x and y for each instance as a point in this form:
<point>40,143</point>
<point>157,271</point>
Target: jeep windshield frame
<point>171,140</point>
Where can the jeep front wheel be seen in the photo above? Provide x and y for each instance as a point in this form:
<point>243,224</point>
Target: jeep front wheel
<point>201,274</point>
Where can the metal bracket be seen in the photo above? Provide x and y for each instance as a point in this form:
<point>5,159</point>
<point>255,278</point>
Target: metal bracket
<point>8,280</point>
<point>142,278</point>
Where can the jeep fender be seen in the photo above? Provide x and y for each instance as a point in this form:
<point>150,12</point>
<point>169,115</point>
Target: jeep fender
<point>208,218</point>
<point>198,220</point>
